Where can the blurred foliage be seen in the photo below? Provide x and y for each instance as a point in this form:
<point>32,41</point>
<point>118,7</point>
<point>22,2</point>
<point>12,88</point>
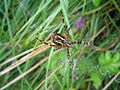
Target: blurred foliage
<point>87,69</point>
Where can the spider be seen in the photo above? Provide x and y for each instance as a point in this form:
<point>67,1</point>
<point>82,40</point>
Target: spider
<point>62,41</point>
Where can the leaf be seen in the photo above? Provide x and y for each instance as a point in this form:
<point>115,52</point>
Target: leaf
<point>97,2</point>
<point>109,63</point>
<point>108,56</point>
<point>96,78</point>
<point>111,69</point>
<point>101,59</point>
<point>117,65</point>
<point>104,69</point>
<point>116,57</point>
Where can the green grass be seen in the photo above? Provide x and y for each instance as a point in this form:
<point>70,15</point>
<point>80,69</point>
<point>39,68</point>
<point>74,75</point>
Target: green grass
<point>27,64</point>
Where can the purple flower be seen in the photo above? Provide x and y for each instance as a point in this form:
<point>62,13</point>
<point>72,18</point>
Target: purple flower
<point>9,47</point>
<point>80,24</point>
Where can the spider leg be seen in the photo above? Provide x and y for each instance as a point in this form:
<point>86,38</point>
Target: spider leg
<point>67,38</point>
<point>52,45</point>
<point>66,34</point>
<point>57,48</point>
<point>65,30</point>
<point>67,52</point>
<point>79,42</point>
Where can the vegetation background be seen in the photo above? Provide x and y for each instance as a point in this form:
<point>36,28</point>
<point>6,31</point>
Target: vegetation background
<point>27,64</point>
